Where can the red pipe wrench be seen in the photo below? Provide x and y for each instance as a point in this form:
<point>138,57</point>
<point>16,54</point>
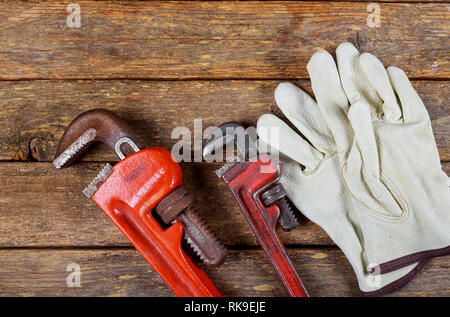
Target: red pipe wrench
<point>143,196</point>
<point>254,183</point>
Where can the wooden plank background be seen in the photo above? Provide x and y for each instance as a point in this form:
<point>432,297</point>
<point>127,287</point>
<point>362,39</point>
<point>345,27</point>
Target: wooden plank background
<point>180,40</point>
<point>160,65</point>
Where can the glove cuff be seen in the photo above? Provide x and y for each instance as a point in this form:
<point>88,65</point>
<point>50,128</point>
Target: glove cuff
<point>423,257</point>
<point>409,259</point>
<point>397,284</point>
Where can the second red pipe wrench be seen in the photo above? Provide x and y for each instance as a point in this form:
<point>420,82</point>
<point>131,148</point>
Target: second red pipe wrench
<point>254,184</point>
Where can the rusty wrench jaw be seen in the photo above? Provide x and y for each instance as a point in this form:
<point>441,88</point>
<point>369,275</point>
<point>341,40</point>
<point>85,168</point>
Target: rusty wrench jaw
<point>98,125</point>
<point>231,133</point>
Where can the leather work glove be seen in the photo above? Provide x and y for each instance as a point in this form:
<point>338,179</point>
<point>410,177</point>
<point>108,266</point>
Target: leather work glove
<point>370,174</point>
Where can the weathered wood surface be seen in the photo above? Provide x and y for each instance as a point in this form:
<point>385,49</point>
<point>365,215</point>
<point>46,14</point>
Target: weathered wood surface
<point>43,207</point>
<point>175,40</point>
<point>34,114</point>
<point>246,273</point>
<point>129,48</point>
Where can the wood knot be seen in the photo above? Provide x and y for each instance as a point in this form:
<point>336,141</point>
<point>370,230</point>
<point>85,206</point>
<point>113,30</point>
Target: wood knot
<point>35,152</point>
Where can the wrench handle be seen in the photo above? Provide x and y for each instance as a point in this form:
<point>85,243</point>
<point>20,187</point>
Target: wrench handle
<point>128,196</point>
<point>247,180</point>
<point>162,250</point>
<point>263,222</point>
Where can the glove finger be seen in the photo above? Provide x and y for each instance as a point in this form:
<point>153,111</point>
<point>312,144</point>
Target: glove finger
<point>413,108</point>
<point>378,78</point>
<point>354,81</point>
<point>280,136</point>
<point>304,113</point>
<point>332,101</point>
<point>366,185</point>
<point>361,121</point>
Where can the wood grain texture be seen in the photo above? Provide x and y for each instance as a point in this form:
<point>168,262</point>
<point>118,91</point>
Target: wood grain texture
<point>124,58</point>
<point>245,273</point>
<point>35,114</point>
<point>179,40</point>
<point>43,207</point>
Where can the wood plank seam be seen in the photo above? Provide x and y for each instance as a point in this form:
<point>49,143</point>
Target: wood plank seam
<point>32,132</point>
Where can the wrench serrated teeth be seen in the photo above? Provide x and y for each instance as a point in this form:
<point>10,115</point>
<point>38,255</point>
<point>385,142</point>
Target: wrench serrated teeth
<point>225,168</point>
<point>202,241</point>
<point>194,248</point>
<point>288,220</point>
<point>75,149</point>
<point>101,177</point>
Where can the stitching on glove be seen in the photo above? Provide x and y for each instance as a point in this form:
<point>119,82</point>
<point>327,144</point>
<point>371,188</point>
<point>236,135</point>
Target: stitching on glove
<point>377,215</point>
<point>314,171</point>
<point>400,282</point>
<point>409,259</point>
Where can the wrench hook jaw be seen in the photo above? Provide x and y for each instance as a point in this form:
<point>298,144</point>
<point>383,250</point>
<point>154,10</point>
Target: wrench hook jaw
<point>98,125</point>
<point>228,133</point>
